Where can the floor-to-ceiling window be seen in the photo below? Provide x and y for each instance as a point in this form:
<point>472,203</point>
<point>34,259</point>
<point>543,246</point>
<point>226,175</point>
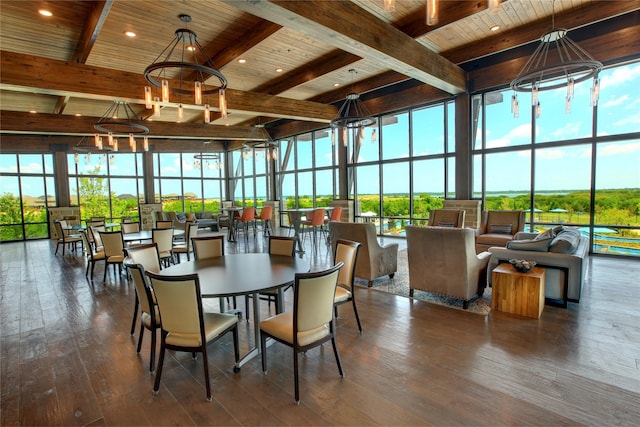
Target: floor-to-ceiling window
<point>575,165</point>
<point>108,185</point>
<point>188,182</point>
<point>26,191</point>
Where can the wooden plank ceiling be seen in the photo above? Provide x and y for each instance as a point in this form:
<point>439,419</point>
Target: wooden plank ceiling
<point>296,57</point>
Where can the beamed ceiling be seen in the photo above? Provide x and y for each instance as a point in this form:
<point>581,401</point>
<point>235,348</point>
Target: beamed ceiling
<point>70,67</point>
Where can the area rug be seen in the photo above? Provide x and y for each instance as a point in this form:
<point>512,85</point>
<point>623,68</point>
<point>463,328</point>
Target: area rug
<point>399,285</point>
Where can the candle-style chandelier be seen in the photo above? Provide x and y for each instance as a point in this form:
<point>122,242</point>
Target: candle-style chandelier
<point>183,68</point>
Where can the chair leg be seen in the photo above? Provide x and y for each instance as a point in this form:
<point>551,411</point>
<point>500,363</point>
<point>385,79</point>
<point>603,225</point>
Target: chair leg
<point>135,315</point>
<point>106,267</point>
<point>295,377</point>
<point>156,385</point>
<point>152,357</point>
<point>205,361</point>
<point>236,347</point>
<point>355,311</point>
<point>335,352</point>
<point>140,337</point>
<point>263,351</point>
<point>246,306</point>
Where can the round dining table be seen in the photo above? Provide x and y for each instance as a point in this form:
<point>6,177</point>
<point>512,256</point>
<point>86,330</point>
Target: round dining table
<point>243,274</point>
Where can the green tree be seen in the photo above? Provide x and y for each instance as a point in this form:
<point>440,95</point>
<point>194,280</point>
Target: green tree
<point>94,196</point>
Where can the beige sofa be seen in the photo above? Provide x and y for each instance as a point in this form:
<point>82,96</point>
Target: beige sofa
<point>443,260</point>
<point>373,260</point>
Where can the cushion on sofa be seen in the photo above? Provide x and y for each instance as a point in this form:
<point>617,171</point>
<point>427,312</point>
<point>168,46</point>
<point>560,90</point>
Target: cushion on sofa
<point>446,224</point>
<point>500,228</point>
<point>566,242</point>
<point>546,234</point>
<point>537,245</point>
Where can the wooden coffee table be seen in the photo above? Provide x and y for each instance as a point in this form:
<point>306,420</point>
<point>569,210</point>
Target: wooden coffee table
<point>518,293</point>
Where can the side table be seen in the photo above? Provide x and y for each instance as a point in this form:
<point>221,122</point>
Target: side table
<point>518,293</point>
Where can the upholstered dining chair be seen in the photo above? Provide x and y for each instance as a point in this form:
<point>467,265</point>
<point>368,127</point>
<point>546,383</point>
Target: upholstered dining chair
<point>316,222</point>
<point>150,315</point>
<point>446,218</point>
<point>164,238</point>
<point>92,254</point>
<point>148,257</point>
<point>164,224</point>
<point>265,220</point>
<point>346,252</point>
<point>248,216</point>
<point>207,246</point>
<point>185,325</point>
<point>113,245</point>
<point>66,239</point>
<point>130,227</point>
<point>311,322</point>
<point>186,246</point>
<point>94,236</point>
<point>278,245</point>
<point>334,215</point>
<point>210,247</point>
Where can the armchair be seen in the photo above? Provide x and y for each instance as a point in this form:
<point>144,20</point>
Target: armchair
<point>442,260</point>
<point>446,218</point>
<point>373,260</point>
<point>497,228</point>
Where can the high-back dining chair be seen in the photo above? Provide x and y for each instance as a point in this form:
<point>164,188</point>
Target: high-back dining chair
<point>92,254</point>
<point>316,222</point>
<point>148,257</point>
<point>185,325</point>
<point>113,245</point>
<point>64,238</point>
<point>311,322</point>
<point>130,227</point>
<point>265,219</point>
<point>248,216</point>
<point>278,245</point>
<point>186,247</point>
<point>210,247</point>
<point>163,237</point>
<point>94,235</point>
<point>150,315</point>
<point>346,252</point>
<point>207,246</point>
<point>164,224</point>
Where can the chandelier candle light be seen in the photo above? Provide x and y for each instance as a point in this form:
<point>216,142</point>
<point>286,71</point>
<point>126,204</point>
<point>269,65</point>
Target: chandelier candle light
<point>549,69</point>
<point>172,72</point>
<point>353,114</point>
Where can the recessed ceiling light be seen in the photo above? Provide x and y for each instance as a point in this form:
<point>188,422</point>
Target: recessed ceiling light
<point>33,111</point>
<point>495,28</point>
<point>242,60</point>
<point>336,84</point>
<point>278,70</point>
<point>78,114</point>
<point>191,48</point>
<point>45,12</point>
<point>129,34</point>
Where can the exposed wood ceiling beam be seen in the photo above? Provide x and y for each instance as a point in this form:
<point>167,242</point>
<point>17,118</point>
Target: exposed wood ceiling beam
<point>571,19</point>
<point>14,122</point>
<point>91,29</point>
<point>251,37</point>
<point>372,38</point>
<point>61,104</point>
<point>32,73</point>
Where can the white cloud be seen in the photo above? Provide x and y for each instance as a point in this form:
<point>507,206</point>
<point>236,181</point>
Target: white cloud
<point>620,76</point>
<point>516,134</point>
<point>549,154</point>
<point>615,101</point>
<point>618,149</point>
<point>568,131</point>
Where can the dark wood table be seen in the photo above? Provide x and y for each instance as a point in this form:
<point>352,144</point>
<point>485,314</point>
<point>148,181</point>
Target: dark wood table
<point>243,274</point>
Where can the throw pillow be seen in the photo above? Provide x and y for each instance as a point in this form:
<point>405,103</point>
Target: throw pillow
<point>181,216</point>
<point>537,245</point>
<point>566,242</point>
<point>446,224</point>
<point>500,228</point>
<point>546,234</point>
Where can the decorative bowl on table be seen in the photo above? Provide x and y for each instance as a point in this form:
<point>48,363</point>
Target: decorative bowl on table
<point>522,265</point>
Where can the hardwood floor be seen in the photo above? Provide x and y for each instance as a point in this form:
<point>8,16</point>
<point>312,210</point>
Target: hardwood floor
<point>67,358</point>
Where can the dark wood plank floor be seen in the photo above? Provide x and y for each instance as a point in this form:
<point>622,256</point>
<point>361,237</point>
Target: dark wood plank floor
<point>67,358</point>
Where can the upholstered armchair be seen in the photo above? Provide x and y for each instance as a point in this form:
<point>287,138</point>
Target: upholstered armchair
<point>443,260</point>
<point>373,260</point>
<point>497,228</point>
<point>446,218</point>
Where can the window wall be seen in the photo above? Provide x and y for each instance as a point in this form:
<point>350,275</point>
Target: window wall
<point>576,167</point>
<point>405,172</point>
<point>26,191</point>
<point>108,185</point>
<point>188,182</point>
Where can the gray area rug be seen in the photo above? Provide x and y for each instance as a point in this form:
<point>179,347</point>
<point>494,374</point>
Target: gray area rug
<point>399,285</point>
